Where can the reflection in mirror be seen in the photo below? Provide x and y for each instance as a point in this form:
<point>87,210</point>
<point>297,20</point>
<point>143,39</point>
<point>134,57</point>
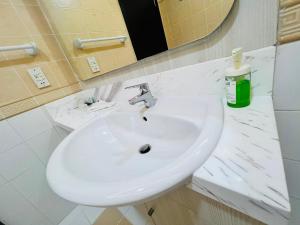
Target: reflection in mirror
<point>99,36</point>
<point>185,21</point>
<point>145,27</point>
<point>152,23</point>
<point>88,20</point>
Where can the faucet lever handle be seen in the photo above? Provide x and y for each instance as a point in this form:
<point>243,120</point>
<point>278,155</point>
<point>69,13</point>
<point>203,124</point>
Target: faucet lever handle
<point>142,86</point>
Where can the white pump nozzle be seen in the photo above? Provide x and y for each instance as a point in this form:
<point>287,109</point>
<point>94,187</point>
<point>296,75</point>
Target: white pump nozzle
<point>237,55</point>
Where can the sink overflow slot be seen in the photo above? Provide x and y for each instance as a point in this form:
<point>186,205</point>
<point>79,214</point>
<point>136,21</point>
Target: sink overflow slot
<point>145,118</point>
<point>145,149</point>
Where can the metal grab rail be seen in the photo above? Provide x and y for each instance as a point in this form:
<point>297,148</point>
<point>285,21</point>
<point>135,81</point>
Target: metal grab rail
<point>78,43</point>
<point>30,48</point>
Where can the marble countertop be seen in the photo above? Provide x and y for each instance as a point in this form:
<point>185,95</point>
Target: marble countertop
<point>246,171</point>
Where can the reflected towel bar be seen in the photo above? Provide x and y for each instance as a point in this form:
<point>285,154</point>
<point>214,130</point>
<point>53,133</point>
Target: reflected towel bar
<point>78,43</point>
<point>30,48</point>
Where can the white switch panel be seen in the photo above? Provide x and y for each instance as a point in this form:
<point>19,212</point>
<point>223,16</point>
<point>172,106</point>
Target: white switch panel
<point>93,64</point>
<point>38,77</point>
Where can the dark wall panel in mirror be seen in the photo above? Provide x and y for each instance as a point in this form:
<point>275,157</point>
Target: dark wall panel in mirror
<point>145,27</point>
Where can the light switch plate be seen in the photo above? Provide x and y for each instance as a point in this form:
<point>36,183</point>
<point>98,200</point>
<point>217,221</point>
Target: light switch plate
<point>92,61</point>
<point>38,77</point>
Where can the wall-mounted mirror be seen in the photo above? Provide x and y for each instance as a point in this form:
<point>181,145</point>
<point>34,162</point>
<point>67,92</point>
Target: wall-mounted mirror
<point>99,36</point>
<point>185,21</point>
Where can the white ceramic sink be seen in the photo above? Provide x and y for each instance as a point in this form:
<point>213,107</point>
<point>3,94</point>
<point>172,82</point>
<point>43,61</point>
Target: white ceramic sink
<point>128,157</point>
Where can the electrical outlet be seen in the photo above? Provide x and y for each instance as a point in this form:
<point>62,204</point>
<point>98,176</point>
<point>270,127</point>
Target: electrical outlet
<point>38,77</point>
<point>93,64</point>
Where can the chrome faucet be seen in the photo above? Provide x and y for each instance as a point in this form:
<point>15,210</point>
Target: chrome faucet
<point>144,96</point>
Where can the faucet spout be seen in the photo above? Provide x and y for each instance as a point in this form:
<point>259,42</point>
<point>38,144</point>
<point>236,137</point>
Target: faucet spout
<point>144,96</point>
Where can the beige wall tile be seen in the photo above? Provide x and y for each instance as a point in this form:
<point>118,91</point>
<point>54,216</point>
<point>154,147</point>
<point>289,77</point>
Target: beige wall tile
<point>72,89</point>
<point>18,107</point>
<point>33,18</point>
<point>4,2</point>
<point>12,87</point>
<point>288,3</point>
<point>67,21</point>
<point>289,24</point>
<point>2,117</point>
<point>10,25</point>
<point>168,212</point>
<point>198,209</point>
<point>50,96</point>
<point>49,49</point>
<point>111,216</point>
<point>25,2</point>
<point>63,72</point>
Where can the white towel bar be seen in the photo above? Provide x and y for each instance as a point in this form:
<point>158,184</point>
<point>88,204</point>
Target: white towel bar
<point>30,48</point>
<point>78,43</point>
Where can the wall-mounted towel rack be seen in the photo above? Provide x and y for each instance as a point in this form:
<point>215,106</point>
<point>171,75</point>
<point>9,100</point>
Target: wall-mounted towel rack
<point>78,43</point>
<point>30,48</point>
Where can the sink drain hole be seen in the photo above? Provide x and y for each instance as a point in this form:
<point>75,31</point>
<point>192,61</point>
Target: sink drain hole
<point>145,149</point>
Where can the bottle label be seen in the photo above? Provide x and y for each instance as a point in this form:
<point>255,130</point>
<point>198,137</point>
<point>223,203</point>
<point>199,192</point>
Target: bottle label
<point>231,91</point>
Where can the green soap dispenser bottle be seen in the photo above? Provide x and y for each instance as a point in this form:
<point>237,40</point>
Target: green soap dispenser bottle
<point>238,81</point>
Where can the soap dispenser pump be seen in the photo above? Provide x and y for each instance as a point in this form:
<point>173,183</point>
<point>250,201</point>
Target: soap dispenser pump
<point>238,81</point>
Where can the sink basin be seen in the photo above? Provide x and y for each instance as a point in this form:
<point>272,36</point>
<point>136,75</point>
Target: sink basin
<point>127,157</point>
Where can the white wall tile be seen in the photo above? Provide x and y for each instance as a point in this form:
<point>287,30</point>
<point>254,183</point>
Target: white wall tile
<point>287,77</point>
<point>31,123</point>
<point>292,170</point>
<point>288,123</point>
<point>16,161</point>
<point>16,210</point>
<point>31,181</point>
<point>156,64</point>
<point>8,136</point>
<point>50,204</point>
<point>2,181</point>
<point>62,132</point>
<point>295,215</point>
<point>34,187</point>
<point>45,143</point>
